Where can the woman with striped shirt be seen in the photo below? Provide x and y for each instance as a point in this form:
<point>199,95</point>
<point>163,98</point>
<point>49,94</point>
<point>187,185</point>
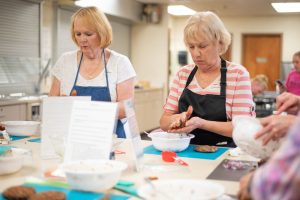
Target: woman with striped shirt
<point>206,95</point>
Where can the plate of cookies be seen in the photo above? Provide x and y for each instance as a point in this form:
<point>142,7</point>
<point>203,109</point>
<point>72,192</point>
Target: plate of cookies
<point>27,192</point>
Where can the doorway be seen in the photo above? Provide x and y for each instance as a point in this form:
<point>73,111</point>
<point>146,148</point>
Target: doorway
<point>262,54</point>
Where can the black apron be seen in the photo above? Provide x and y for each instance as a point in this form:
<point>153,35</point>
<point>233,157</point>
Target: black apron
<point>208,107</point>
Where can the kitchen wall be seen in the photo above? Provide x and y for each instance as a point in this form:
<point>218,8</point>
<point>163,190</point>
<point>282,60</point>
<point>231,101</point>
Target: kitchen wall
<point>55,27</point>
<point>287,25</point>
<point>149,53</point>
<point>19,49</point>
<point>154,47</point>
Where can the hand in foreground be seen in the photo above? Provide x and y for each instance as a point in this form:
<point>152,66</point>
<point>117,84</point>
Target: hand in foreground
<point>244,193</point>
<point>274,127</point>
<point>287,102</point>
<point>181,119</point>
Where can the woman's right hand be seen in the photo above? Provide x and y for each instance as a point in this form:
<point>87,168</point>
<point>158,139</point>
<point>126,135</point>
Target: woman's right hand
<point>275,127</point>
<point>287,102</point>
<point>181,119</point>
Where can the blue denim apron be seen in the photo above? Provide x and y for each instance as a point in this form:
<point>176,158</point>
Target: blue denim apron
<point>97,93</point>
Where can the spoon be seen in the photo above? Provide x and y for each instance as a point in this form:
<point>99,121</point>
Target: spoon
<point>147,133</point>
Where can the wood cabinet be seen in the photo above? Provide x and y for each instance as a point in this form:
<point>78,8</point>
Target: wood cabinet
<point>13,112</point>
<point>148,108</point>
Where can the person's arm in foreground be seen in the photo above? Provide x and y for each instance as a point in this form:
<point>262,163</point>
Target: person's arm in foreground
<point>279,178</point>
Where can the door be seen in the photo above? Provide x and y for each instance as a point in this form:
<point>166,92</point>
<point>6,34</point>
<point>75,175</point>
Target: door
<point>262,55</point>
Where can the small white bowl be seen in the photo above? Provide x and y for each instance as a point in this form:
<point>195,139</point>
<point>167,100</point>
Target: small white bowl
<point>181,189</point>
<point>244,130</point>
<point>93,175</point>
<point>175,142</point>
<point>12,163</point>
<point>21,128</point>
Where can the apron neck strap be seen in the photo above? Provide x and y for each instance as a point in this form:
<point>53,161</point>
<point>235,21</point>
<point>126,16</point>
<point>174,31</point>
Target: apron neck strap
<point>105,68</point>
<point>78,69</point>
<point>223,77</point>
<point>191,76</point>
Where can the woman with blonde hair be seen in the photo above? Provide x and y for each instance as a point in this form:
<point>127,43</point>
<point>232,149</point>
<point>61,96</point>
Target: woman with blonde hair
<point>206,95</point>
<point>93,69</point>
<point>259,84</point>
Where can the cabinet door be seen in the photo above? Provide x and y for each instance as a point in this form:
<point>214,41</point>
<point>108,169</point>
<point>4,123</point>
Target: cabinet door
<point>140,115</point>
<point>148,108</point>
<point>13,112</point>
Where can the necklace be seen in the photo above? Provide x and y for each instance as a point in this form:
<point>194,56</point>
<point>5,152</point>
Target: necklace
<point>91,68</point>
<point>92,72</point>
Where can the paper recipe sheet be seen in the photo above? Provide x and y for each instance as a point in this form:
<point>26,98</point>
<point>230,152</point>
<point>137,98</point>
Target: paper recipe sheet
<point>56,113</point>
<point>91,130</point>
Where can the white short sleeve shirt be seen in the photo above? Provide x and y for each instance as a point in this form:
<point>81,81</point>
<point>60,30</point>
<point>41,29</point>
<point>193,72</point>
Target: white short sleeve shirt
<point>119,69</point>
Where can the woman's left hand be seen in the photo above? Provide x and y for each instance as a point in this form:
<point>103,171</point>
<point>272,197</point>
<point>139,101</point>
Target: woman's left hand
<point>190,125</point>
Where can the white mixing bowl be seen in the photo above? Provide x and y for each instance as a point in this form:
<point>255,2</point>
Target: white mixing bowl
<point>21,128</point>
<point>175,142</point>
<point>93,175</point>
<point>13,162</point>
<point>244,130</point>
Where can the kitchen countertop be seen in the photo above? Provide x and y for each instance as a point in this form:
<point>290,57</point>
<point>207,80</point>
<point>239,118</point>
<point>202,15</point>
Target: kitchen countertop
<point>153,166</point>
<point>6,100</point>
<point>15,100</point>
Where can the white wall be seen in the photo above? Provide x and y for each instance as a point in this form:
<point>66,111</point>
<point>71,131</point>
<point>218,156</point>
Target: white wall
<point>127,9</point>
<point>149,51</point>
<point>149,42</point>
<point>287,25</point>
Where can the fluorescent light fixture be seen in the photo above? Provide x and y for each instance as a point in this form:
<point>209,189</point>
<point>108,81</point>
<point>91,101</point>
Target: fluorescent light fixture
<point>87,3</point>
<point>287,7</point>
<point>180,10</point>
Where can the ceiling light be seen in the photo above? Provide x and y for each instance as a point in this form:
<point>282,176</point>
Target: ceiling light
<point>86,3</point>
<point>287,7</point>
<point>180,10</point>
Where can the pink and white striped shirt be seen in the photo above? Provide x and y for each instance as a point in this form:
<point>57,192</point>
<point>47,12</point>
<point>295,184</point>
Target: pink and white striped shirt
<point>239,99</point>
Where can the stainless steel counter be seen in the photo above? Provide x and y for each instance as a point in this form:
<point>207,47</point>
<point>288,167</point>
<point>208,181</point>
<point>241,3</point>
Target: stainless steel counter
<point>14,100</point>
